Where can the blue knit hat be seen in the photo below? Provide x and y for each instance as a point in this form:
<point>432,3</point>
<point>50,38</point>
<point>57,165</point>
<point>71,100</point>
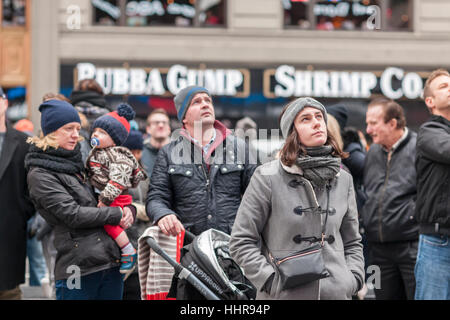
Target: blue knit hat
<point>135,141</point>
<point>55,114</point>
<point>184,97</point>
<point>116,123</point>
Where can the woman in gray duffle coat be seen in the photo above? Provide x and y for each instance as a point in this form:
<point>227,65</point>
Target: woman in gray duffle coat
<point>276,212</point>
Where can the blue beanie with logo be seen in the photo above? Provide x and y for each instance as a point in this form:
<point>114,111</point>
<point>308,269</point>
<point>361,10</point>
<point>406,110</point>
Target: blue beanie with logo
<point>184,97</point>
<point>55,114</point>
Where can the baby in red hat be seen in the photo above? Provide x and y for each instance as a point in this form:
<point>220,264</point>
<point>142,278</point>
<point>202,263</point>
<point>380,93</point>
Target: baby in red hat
<point>113,169</point>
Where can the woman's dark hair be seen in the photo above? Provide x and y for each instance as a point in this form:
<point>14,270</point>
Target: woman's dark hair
<point>292,148</point>
<point>350,135</point>
<point>89,85</point>
<point>56,96</point>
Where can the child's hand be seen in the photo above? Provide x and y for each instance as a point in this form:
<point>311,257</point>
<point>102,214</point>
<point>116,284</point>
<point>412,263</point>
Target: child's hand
<point>101,204</point>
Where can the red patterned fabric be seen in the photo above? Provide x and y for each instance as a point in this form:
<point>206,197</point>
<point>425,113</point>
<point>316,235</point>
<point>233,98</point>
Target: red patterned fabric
<point>155,273</point>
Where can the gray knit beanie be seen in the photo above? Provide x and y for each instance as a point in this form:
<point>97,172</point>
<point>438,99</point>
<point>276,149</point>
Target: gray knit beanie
<point>184,97</point>
<point>294,108</point>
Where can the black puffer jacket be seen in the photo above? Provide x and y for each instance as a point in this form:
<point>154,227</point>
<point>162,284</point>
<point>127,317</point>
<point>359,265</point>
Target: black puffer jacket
<point>433,176</point>
<point>388,214</point>
<point>68,204</point>
<point>202,195</point>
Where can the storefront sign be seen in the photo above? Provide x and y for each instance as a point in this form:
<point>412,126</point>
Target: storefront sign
<point>166,81</point>
<point>286,81</point>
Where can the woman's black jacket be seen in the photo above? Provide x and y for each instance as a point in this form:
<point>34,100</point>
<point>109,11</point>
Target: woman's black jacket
<point>68,204</point>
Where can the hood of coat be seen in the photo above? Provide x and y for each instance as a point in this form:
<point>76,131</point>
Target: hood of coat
<point>292,169</point>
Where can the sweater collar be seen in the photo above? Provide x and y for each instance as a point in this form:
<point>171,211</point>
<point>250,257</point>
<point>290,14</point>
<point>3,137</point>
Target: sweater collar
<point>221,133</point>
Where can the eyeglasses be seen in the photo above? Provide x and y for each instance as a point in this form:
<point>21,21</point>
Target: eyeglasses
<point>3,96</point>
<point>164,123</point>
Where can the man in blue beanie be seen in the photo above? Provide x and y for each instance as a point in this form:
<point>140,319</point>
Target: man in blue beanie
<point>198,179</point>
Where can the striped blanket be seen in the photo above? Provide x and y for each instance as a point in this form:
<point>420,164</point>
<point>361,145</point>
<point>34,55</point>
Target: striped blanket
<point>155,273</point>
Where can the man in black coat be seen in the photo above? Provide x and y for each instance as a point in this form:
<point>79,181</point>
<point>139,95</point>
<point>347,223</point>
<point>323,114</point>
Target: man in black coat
<point>388,213</point>
<point>198,179</point>
<point>16,206</point>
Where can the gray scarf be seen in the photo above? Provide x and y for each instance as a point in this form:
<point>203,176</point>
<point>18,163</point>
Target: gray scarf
<point>318,166</point>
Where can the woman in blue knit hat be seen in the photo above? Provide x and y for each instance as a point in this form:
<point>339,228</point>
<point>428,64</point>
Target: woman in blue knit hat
<point>88,260</point>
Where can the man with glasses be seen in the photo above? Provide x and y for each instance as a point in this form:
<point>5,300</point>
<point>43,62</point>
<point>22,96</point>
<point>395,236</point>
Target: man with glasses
<point>158,129</point>
<point>16,206</point>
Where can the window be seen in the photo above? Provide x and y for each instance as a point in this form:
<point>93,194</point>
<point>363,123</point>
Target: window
<point>184,13</point>
<point>13,13</point>
<point>384,15</point>
<point>399,15</point>
<point>106,12</point>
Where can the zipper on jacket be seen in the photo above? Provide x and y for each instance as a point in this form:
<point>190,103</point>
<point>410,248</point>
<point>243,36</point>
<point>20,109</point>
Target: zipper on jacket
<point>206,177</point>
<point>380,211</point>
<point>280,261</point>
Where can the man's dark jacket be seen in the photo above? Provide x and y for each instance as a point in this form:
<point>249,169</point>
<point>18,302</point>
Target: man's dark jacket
<point>388,214</point>
<point>16,209</point>
<point>204,191</point>
<point>433,176</point>
<point>149,155</point>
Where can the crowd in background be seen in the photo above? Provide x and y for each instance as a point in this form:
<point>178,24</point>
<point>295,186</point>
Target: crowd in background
<point>396,212</point>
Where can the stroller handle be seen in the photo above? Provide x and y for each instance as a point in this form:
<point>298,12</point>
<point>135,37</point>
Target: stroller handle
<point>182,272</point>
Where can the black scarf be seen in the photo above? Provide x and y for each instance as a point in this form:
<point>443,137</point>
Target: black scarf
<point>319,166</point>
<point>58,160</point>
<point>92,97</point>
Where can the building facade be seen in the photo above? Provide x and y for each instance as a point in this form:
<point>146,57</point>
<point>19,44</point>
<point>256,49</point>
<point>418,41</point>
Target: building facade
<point>15,55</point>
<point>253,55</point>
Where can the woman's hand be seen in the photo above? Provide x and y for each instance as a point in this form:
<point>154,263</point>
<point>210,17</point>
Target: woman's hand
<point>127,218</point>
<point>101,204</point>
<point>170,225</point>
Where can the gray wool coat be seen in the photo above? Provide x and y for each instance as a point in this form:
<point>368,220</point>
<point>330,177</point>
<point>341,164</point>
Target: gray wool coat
<point>267,210</point>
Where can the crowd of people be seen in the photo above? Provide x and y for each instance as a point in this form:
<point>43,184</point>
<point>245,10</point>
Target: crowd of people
<point>305,224</point>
